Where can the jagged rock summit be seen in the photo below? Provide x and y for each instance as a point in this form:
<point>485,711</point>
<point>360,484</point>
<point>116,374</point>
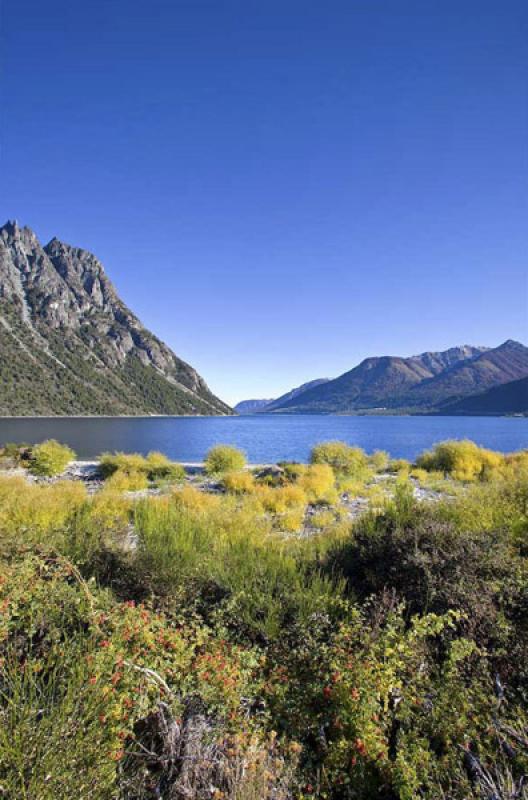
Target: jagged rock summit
<point>69,345</point>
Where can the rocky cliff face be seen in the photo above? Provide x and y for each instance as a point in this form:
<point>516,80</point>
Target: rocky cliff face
<point>70,345</point>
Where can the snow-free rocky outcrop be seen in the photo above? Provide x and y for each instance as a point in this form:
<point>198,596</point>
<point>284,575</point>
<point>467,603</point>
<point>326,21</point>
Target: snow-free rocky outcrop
<point>69,345</point>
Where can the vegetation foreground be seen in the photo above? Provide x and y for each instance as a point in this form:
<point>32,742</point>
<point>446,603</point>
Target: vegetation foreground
<point>243,635</point>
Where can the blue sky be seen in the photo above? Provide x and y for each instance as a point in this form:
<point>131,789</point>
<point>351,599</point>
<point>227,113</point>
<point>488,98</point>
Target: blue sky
<point>280,189</point>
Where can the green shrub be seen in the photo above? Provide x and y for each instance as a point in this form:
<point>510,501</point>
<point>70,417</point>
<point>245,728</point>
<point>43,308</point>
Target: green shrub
<point>105,682</point>
<point>224,458</point>
<point>343,459</point>
<point>420,553</point>
<point>50,458</point>
<point>372,648</point>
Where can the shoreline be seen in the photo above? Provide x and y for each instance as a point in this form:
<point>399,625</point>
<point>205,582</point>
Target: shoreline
<point>428,415</point>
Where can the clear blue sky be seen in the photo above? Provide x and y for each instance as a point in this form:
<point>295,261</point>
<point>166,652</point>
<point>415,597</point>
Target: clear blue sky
<point>279,189</point>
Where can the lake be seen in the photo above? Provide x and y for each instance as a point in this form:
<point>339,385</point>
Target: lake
<point>265,439</point>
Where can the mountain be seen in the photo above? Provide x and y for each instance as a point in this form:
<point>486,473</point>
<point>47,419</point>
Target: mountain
<point>69,345</point>
<point>509,398</point>
<point>258,406</point>
<point>285,398</point>
<point>251,406</point>
<point>416,384</point>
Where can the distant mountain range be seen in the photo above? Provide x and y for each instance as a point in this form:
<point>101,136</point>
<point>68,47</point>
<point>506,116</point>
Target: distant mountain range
<point>69,345</point>
<point>426,383</point>
<point>259,406</point>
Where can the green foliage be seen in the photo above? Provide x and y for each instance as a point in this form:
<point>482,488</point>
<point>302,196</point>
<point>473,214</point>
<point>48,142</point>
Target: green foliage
<point>103,681</point>
<point>224,458</point>
<point>343,459</point>
<point>50,458</point>
<point>357,662</point>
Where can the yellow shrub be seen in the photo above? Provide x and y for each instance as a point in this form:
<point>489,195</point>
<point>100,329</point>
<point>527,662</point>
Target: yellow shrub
<point>111,509</point>
<point>50,458</point>
<point>463,460</point>
<point>238,482</point>
<point>421,475</point>
<point>159,467</point>
<point>293,471</point>
<point>279,500</point>
<point>124,462</point>
<point>318,481</point>
<point>351,486</point>
<point>379,460</point>
<point>41,508</point>
<point>292,520</point>
<point>224,458</point>
<point>399,465</point>
<point>323,519</point>
<point>341,457</point>
<point>129,481</point>
<point>192,499</point>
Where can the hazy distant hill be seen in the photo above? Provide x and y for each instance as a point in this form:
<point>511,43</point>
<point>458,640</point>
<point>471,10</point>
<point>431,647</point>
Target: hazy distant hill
<point>257,406</point>
<point>69,345</point>
<point>419,383</point>
<point>509,398</point>
<point>251,406</point>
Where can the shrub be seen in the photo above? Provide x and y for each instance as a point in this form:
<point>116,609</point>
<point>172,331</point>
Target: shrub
<point>154,467</point>
<point>124,462</point>
<point>278,500</point>
<point>343,459</point>
<point>322,519</point>
<point>292,470</point>
<point>372,647</point>
<point>15,455</point>
<point>104,682</point>
<point>318,481</point>
<point>50,458</point>
<point>292,520</point>
<point>192,499</point>
<point>159,467</point>
<point>379,460</point>
<point>419,474</point>
<point>224,458</point>
<point>429,562</point>
<point>351,486</point>
<point>127,481</point>
<point>238,482</point>
<point>462,460</point>
<point>399,465</point>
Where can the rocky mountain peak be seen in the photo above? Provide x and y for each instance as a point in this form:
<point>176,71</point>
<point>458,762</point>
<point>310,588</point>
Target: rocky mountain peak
<point>61,302</point>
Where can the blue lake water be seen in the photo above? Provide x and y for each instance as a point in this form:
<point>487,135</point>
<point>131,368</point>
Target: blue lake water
<point>265,439</point>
